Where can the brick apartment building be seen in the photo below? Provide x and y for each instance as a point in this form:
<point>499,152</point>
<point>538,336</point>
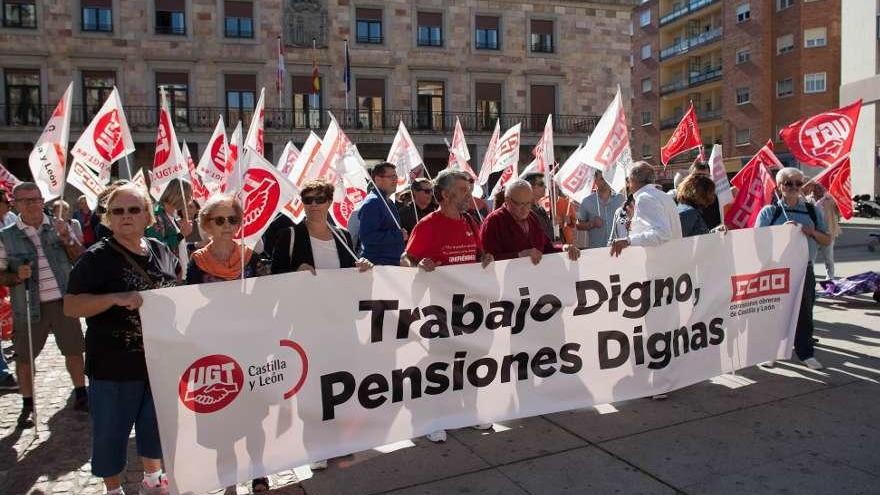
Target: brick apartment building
<point>749,66</point>
<point>425,62</point>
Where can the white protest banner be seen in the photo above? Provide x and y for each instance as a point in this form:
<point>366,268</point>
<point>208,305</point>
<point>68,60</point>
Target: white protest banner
<point>719,176</point>
<point>301,367</point>
<point>48,159</point>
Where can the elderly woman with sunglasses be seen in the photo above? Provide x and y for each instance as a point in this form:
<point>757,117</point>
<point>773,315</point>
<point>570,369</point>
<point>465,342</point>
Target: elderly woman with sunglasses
<point>314,243</point>
<point>792,208</point>
<point>222,257</point>
<point>103,288</point>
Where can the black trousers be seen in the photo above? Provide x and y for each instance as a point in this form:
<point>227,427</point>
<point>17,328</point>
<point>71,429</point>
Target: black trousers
<point>803,337</point>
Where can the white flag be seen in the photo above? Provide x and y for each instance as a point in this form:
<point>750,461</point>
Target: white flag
<point>84,179</point>
<point>232,178</point>
<point>351,186</point>
<point>48,159</point>
<point>719,176</point>
<point>264,193</point>
<point>580,177</point>
<point>254,139</point>
<point>543,151</point>
<point>200,193</point>
<point>405,156</point>
<point>288,159</point>
<point>310,155</point>
<point>459,155</point>
<point>212,164</point>
<point>140,181</point>
<point>507,157</point>
<point>168,162</point>
<point>489,158</point>
<point>106,139</point>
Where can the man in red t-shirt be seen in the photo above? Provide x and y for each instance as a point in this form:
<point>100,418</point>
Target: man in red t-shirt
<point>448,236</point>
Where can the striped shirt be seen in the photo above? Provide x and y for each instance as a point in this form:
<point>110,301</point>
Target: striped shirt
<point>49,290</point>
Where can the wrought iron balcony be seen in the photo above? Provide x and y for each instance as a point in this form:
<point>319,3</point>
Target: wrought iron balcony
<point>694,79</point>
<point>685,9</point>
<point>691,43</point>
<point>705,116</point>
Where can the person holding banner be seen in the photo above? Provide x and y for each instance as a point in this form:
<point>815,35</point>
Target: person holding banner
<point>314,244</point>
<point>712,212</point>
<point>694,193</point>
<point>170,227</point>
<point>792,208</point>
<point>655,218</point>
<point>513,231</point>
<point>103,289</point>
<point>36,254</point>
<point>379,233</point>
<point>596,212</point>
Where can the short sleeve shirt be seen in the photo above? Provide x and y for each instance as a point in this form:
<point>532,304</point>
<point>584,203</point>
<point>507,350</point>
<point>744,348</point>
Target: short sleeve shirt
<point>114,341</point>
<point>797,214</point>
<point>444,240</point>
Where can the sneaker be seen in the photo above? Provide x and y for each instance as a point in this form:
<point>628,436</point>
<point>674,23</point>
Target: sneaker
<point>24,419</point>
<point>8,383</point>
<point>318,465</point>
<point>768,364</point>
<point>160,489</point>
<point>659,397</point>
<point>81,404</point>
<point>812,363</point>
<point>438,436</point>
<point>483,426</point>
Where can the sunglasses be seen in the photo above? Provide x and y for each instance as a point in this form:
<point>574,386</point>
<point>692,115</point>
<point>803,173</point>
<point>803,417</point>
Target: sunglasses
<point>221,221</point>
<point>789,183</point>
<point>313,200</point>
<point>131,210</point>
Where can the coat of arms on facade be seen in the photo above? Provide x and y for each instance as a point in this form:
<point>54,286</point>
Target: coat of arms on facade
<point>305,20</point>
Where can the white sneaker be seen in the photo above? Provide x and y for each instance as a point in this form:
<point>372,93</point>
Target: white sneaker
<point>483,426</point>
<point>813,363</point>
<point>768,364</point>
<point>437,436</point>
<point>160,489</point>
<point>659,397</point>
<point>318,465</point>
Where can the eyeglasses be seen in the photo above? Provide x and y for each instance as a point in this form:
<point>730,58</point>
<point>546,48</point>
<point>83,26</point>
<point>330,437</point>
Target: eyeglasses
<point>312,200</point>
<point>416,189</point>
<point>221,221</point>
<point>131,210</point>
<point>28,200</point>
<point>790,183</point>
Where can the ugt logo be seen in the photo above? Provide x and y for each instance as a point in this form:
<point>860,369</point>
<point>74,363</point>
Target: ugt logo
<point>211,383</point>
<point>754,285</point>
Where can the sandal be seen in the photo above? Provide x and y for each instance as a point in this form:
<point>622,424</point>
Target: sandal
<point>260,485</point>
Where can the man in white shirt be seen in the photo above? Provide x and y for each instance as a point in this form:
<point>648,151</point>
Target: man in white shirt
<point>655,218</point>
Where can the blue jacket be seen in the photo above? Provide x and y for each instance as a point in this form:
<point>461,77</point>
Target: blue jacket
<point>379,235</point>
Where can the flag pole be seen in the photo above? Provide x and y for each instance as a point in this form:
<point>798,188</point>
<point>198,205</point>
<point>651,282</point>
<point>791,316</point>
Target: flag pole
<point>347,78</point>
<point>473,200</point>
<point>382,194</point>
<point>342,241</point>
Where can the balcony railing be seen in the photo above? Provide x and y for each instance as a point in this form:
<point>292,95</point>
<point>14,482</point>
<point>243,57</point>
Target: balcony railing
<point>683,10</point>
<point>673,86</point>
<point>705,116</point>
<point>695,79</point>
<point>143,119</point>
<point>691,43</point>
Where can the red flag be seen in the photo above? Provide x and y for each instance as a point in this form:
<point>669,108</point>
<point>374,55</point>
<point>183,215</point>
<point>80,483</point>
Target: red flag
<point>755,189</point>
<point>823,139</point>
<point>7,181</point>
<point>685,137</point>
<point>836,180</point>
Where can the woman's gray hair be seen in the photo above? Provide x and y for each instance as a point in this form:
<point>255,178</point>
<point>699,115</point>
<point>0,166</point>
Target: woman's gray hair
<point>215,201</point>
<point>787,172</point>
<point>516,184</point>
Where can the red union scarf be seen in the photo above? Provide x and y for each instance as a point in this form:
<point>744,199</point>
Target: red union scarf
<point>824,139</point>
<point>685,137</point>
<point>836,180</point>
<point>755,189</point>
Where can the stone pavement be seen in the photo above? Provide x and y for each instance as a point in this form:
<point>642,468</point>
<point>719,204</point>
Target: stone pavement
<point>781,430</point>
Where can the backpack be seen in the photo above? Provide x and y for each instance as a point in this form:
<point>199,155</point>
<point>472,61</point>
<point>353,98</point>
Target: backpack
<point>811,210</point>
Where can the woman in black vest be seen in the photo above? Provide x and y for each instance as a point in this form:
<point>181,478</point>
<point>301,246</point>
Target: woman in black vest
<point>314,244</point>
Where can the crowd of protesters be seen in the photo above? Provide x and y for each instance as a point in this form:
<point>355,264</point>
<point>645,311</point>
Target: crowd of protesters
<point>62,265</point>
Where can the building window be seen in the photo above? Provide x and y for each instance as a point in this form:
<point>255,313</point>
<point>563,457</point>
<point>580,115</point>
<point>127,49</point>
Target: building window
<point>171,17</point>
<point>486,35</point>
<point>430,32</point>
<point>241,90</point>
<point>743,95</point>
<point>647,118</point>
<point>239,20</point>
<point>97,86</point>
<point>743,136</point>
<point>543,103</point>
<point>368,26</point>
<point>743,55</point>
<point>23,97</point>
<point>784,44</point>
<point>646,151</point>
<point>646,51</point>
<point>176,86</point>
<point>307,106</point>
<point>20,14</point>
<point>645,18</point>
<point>97,16</point>
<point>647,86</point>
<point>815,37</point>
<point>541,38</point>
<point>783,4</point>
<point>784,87</point>
<point>370,103</point>
<point>814,83</point>
<point>429,105</point>
<point>488,104</point>
<point>743,12</point>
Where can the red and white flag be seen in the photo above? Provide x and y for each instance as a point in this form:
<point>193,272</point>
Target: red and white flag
<point>48,159</point>
<point>607,150</point>
<point>309,155</point>
<point>168,162</point>
<point>836,180</point>
<point>254,139</point>
<point>212,164</point>
<point>287,159</point>
<point>234,173</point>
<point>507,157</point>
<point>459,156</point>
<point>685,137</point>
<point>755,188</point>
<point>719,177</point>
<point>200,193</point>
<point>543,152</point>
<point>106,139</point>
<point>139,180</point>
<point>264,193</point>
<point>824,139</point>
<point>88,183</point>
<point>7,181</point>
<point>351,186</point>
<point>490,157</point>
<point>405,157</point>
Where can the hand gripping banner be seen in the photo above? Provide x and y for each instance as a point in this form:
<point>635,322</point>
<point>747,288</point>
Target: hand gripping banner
<point>255,378</point>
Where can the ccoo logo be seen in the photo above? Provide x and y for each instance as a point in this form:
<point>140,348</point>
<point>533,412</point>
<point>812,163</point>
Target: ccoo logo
<point>211,383</point>
<point>761,284</point>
